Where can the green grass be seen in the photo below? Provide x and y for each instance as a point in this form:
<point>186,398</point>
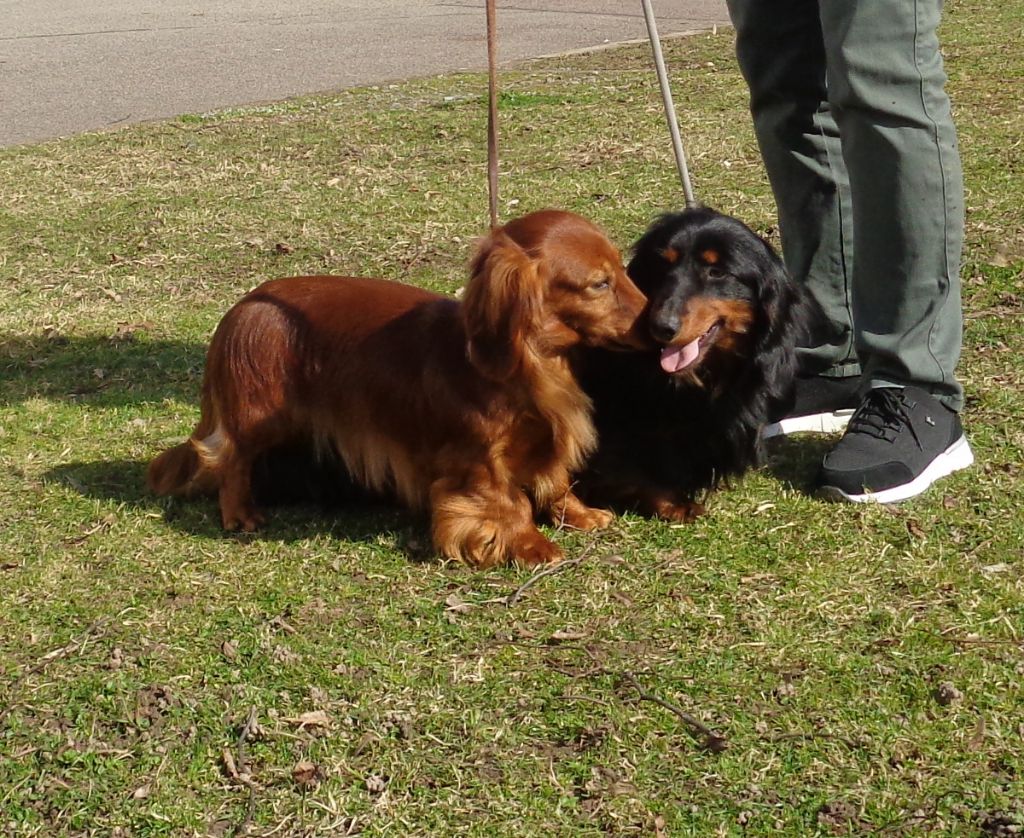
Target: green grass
<point>137,640</point>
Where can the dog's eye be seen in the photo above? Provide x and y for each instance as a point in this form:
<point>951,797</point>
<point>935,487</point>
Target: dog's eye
<point>602,284</point>
<point>716,273</point>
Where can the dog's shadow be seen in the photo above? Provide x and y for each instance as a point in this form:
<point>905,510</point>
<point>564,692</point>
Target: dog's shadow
<point>131,367</point>
<point>324,508</point>
<point>342,515</point>
<point>118,370</point>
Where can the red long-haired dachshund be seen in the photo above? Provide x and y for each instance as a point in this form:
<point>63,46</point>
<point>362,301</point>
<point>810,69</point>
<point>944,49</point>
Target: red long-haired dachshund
<point>468,409</point>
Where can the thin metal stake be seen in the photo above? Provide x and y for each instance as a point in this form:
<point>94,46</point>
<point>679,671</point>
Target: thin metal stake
<point>492,114</point>
<point>670,109</point>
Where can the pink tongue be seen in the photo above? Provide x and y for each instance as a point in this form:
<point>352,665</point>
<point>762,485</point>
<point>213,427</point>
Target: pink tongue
<point>675,358</point>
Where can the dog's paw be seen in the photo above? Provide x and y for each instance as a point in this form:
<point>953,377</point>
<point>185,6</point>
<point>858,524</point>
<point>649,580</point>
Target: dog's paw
<point>588,518</point>
<point>533,549</point>
<point>242,520</point>
<point>679,512</point>
<point>571,512</point>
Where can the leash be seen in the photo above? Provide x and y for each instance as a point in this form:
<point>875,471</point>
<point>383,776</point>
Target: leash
<point>492,114</point>
<point>670,109</point>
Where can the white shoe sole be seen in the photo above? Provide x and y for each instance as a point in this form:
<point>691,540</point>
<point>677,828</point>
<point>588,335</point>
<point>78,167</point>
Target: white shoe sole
<point>957,456</point>
<point>817,423</point>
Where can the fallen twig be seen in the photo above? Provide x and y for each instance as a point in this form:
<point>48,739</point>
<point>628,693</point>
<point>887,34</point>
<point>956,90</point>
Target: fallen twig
<point>49,658</point>
<point>852,744</point>
<point>711,740</point>
<point>239,769</point>
<point>549,570</point>
<point>961,640</point>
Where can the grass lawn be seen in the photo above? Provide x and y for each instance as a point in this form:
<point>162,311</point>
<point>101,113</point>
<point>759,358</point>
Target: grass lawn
<point>858,669</point>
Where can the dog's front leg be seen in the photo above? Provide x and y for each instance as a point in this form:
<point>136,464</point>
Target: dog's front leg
<point>483,524</point>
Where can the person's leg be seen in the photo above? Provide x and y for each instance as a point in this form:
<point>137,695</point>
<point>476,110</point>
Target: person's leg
<point>886,88</point>
<point>782,56</point>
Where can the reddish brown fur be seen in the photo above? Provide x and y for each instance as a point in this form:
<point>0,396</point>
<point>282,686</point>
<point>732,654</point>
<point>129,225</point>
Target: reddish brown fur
<point>469,410</point>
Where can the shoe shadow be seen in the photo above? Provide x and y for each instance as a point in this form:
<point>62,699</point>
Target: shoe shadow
<point>794,460</point>
<point>292,516</point>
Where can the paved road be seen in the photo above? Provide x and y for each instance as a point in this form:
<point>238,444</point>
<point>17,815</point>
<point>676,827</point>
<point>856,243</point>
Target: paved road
<point>68,66</point>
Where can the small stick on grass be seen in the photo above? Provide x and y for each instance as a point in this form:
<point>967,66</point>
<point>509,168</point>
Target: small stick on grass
<point>852,744</point>
<point>550,570</point>
<point>242,772</point>
<point>711,740</point>
<point>961,640</point>
<point>65,650</point>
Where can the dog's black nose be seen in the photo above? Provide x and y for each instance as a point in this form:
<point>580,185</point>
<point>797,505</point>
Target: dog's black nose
<point>663,328</point>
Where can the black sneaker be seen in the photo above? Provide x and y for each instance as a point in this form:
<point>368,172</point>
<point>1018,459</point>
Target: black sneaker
<point>820,405</point>
<point>899,442</point>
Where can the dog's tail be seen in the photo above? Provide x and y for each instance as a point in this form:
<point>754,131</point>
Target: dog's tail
<point>191,468</point>
<point>173,471</point>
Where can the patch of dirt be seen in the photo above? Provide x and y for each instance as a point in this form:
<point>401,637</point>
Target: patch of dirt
<point>840,817</point>
<point>1002,824</point>
<point>152,703</point>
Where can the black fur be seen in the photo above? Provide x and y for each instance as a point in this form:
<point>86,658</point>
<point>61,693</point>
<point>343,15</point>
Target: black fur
<point>668,439</point>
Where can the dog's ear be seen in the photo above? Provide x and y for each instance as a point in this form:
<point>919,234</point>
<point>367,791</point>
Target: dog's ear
<point>794,317</point>
<point>501,305</point>
<point>644,267</point>
<point>788,313</point>
<point>652,255</point>
<point>777,300</point>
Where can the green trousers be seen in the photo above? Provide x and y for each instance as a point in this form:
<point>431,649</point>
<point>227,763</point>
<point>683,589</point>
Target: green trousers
<point>854,126</point>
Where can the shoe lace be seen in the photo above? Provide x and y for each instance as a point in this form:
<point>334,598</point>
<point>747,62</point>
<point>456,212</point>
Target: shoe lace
<point>883,414</point>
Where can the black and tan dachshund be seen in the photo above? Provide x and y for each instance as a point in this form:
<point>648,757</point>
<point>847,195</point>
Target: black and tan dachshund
<point>678,421</point>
